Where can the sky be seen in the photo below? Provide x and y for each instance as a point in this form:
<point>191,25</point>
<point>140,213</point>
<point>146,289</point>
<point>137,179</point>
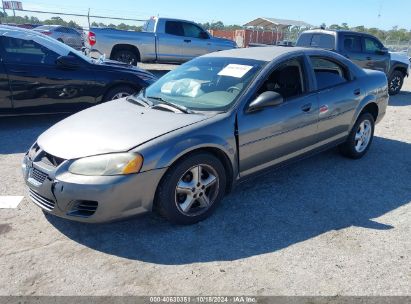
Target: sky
<point>383,14</point>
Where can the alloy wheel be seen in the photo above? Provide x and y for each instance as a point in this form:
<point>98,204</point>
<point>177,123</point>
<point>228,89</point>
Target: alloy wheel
<point>363,136</point>
<point>120,95</point>
<point>197,190</point>
<point>395,84</point>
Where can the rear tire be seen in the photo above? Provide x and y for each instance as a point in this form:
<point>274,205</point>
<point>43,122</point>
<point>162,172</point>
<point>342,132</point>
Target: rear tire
<point>119,92</point>
<point>395,82</point>
<point>185,197</point>
<point>126,56</point>
<point>360,139</point>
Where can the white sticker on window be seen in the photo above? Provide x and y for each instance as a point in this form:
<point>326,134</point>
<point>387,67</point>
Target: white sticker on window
<point>235,70</point>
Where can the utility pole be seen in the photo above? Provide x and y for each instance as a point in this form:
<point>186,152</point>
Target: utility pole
<point>88,18</point>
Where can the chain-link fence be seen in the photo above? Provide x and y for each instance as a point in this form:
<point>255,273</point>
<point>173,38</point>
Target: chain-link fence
<point>399,46</point>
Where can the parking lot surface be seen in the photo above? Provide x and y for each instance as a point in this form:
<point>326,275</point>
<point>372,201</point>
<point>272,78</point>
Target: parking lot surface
<point>323,226</point>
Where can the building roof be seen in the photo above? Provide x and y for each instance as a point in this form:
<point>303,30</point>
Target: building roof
<point>265,22</point>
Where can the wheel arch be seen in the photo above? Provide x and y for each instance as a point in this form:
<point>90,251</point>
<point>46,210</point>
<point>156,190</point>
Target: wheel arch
<point>114,85</point>
<point>129,47</point>
<point>214,150</point>
<point>399,66</point>
<point>368,105</point>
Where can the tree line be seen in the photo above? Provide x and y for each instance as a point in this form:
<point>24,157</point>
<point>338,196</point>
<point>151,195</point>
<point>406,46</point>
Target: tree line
<point>394,34</point>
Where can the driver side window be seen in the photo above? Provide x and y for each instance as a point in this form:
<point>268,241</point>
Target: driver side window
<point>287,80</point>
<point>192,31</point>
<point>27,52</point>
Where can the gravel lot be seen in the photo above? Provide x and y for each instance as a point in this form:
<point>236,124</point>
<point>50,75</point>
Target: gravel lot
<point>324,226</point>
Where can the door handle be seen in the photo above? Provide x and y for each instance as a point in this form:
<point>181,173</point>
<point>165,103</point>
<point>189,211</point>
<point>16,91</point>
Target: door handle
<point>306,108</point>
<point>187,41</point>
<point>357,92</point>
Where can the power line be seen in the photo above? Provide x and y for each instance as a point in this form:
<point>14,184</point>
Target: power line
<point>79,15</point>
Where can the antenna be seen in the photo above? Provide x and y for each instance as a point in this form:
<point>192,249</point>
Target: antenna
<point>380,9</point>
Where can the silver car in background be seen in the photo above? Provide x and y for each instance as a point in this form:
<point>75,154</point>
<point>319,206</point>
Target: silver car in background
<point>64,34</point>
<point>178,146</point>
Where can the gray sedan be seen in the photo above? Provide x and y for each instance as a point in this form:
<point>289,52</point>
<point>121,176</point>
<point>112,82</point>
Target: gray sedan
<point>180,145</point>
<point>64,34</point>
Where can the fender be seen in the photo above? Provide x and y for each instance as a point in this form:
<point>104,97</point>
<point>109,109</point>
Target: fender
<point>366,101</point>
<point>196,143</point>
<point>176,144</point>
<point>397,65</point>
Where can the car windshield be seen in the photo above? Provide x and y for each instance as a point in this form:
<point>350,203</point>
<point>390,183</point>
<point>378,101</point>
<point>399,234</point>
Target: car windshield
<point>205,83</point>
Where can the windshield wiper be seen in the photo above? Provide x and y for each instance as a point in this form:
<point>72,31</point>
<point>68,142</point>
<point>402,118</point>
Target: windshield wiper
<point>174,105</point>
<point>142,102</point>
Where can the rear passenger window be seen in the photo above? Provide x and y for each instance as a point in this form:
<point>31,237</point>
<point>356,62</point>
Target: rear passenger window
<point>26,52</point>
<point>323,41</point>
<point>328,73</point>
<point>352,43</point>
<point>174,28</point>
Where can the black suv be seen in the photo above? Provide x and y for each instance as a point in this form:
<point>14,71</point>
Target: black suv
<point>363,49</point>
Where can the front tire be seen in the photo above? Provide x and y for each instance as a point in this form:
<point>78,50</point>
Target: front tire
<point>395,82</point>
<point>360,139</point>
<point>192,189</point>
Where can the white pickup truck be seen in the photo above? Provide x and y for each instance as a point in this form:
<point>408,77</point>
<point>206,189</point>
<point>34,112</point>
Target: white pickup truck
<point>162,40</point>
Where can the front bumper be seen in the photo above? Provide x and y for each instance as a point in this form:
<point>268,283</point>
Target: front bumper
<point>91,199</point>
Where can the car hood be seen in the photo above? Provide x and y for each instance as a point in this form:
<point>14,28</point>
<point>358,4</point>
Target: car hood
<point>115,126</point>
<point>400,57</point>
<point>113,65</point>
<point>225,41</point>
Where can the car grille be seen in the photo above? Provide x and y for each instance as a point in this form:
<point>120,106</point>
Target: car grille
<point>38,176</point>
<point>50,160</point>
<point>38,155</point>
<point>83,208</point>
<point>41,201</point>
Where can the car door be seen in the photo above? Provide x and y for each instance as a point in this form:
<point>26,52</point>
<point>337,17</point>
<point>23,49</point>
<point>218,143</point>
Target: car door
<point>5,94</point>
<point>377,58</point>
<point>38,84</point>
<point>170,42</point>
<point>197,41</point>
<point>282,132</point>
<point>351,45</point>
<point>338,94</point>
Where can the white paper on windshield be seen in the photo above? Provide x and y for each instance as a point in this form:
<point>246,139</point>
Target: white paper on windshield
<point>235,70</point>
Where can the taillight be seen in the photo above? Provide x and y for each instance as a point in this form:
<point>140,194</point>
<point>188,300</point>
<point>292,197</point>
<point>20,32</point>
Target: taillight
<point>91,38</point>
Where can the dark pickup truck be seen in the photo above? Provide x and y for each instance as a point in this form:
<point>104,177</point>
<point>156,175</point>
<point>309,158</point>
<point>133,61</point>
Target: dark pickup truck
<point>363,49</point>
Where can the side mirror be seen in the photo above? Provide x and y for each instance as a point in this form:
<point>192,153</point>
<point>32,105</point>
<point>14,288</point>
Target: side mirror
<point>68,62</point>
<point>266,99</point>
<point>383,51</point>
<point>204,35</point>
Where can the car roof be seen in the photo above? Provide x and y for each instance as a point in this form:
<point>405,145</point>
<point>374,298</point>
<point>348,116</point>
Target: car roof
<point>4,29</point>
<point>266,53</point>
<point>334,32</point>
<point>50,26</point>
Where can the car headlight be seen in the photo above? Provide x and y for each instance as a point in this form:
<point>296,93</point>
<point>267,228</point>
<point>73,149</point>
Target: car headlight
<point>108,165</point>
